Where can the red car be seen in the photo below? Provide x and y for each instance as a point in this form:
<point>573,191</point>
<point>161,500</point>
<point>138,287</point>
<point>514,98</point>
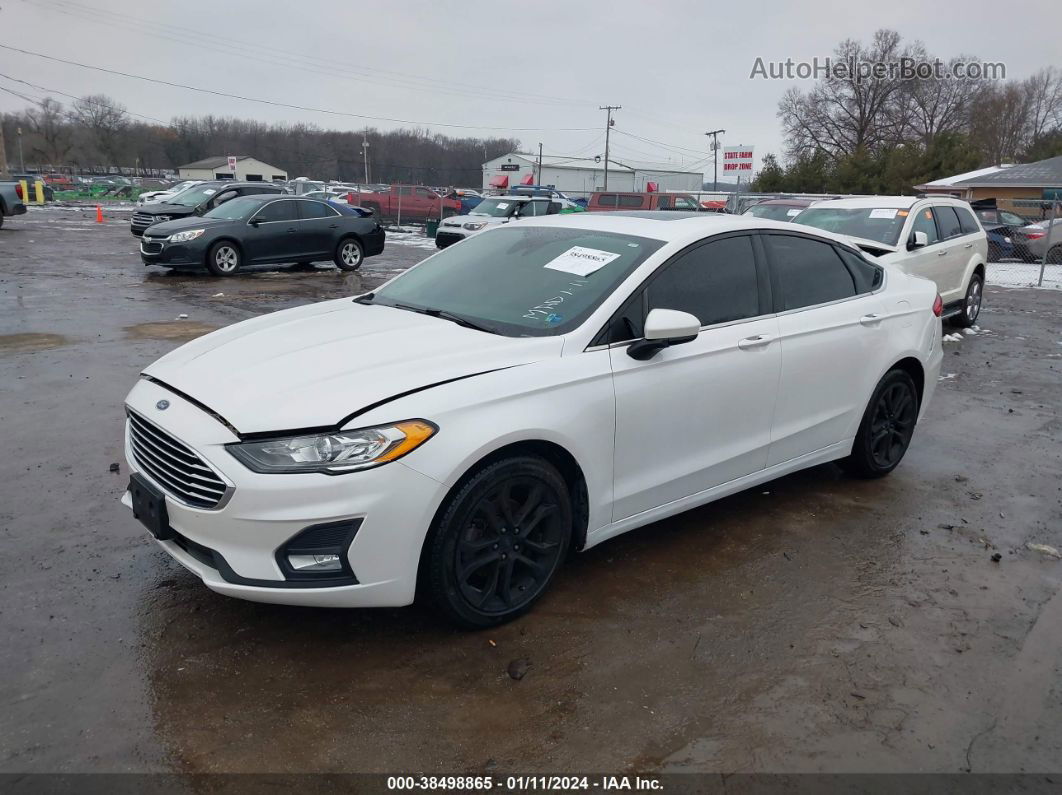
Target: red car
<point>59,181</point>
<point>610,201</point>
<point>411,202</point>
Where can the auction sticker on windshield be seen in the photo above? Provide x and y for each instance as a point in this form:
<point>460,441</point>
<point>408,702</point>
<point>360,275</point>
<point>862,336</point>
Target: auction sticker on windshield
<point>883,213</point>
<point>581,261</point>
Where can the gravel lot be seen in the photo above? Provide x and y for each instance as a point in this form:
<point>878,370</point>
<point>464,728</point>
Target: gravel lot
<point>816,624</point>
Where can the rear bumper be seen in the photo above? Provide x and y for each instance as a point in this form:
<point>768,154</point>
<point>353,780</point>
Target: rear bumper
<point>373,242</point>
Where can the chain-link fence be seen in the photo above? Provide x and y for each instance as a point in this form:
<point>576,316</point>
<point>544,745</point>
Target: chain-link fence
<point>1024,242</point>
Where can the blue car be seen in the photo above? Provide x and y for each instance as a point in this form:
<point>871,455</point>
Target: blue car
<point>1000,245</point>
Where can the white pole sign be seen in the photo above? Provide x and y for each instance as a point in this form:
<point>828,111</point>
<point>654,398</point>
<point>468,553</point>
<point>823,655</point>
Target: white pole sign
<point>232,166</point>
<point>737,160</point>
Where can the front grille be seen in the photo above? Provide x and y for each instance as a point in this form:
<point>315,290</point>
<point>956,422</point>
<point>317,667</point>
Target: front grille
<point>444,239</point>
<point>150,246</point>
<point>173,465</point>
<point>144,220</point>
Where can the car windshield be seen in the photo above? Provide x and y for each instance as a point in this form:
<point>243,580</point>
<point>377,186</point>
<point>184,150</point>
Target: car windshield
<point>235,209</point>
<point>882,224</point>
<point>496,208</point>
<point>521,280</point>
<point>194,196</point>
<point>775,212</point>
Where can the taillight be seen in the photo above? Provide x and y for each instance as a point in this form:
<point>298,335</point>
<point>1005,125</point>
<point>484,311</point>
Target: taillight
<point>18,190</point>
<point>938,306</point>
<point>1033,235</point>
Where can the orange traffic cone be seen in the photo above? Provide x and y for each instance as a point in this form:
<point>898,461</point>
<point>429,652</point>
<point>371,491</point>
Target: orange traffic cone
<point>99,214</point>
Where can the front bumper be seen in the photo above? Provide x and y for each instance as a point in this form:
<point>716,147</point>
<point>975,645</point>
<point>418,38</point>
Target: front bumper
<point>234,549</point>
<point>447,237</point>
<point>157,251</point>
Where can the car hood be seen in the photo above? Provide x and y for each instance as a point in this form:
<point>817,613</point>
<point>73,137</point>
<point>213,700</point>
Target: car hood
<point>875,247</point>
<point>165,208</point>
<point>180,224</point>
<point>315,366</point>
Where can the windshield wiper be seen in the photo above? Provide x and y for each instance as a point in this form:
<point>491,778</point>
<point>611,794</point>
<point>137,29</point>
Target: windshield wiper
<point>443,314</point>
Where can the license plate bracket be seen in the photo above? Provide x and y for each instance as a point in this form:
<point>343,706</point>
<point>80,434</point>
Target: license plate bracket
<point>149,506</point>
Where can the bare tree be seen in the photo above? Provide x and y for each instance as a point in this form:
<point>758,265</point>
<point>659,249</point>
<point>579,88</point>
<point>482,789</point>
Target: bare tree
<point>52,136</point>
<point>999,121</point>
<point>933,105</point>
<point>1043,93</point>
<point>106,121</point>
<point>843,114</point>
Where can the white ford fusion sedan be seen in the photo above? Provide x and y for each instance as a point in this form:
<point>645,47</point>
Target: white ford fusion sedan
<point>533,390</point>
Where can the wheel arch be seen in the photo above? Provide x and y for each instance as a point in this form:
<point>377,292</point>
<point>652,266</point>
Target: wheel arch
<point>224,239</point>
<point>914,368</point>
<point>557,455</point>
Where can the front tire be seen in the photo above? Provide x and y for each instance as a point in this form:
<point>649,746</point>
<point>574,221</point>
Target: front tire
<point>349,254</point>
<point>971,302</point>
<point>224,258</point>
<point>497,542</point>
<point>887,427</point>
<point>1054,256</point>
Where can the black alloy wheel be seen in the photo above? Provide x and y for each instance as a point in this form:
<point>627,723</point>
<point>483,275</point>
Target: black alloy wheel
<point>499,541</point>
<point>887,427</point>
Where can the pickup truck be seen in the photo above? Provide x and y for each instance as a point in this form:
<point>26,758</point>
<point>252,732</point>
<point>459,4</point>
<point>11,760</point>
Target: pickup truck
<point>410,202</point>
<point>10,200</point>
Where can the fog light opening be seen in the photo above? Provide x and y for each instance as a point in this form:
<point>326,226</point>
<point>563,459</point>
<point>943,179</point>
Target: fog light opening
<point>308,563</point>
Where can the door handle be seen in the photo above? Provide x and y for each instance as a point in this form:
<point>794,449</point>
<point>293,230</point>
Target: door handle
<point>333,226</point>
<point>750,343</point>
<point>942,252</point>
<point>968,245</point>
<point>291,230</point>
<point>872,319</point>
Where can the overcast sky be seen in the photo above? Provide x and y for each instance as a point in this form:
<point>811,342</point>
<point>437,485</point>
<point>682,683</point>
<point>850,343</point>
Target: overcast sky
<point>677,68</point>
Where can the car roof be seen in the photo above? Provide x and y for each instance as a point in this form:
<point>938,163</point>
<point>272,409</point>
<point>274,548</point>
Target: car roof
<point>791,202</point>
<point>675,227</point>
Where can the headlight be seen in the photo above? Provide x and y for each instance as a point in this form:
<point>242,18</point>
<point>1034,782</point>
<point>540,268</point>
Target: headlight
<point>334,453</point>
<point>160,219</point>
<point>475,226</point>
<point>184,237</point>
<point>1006,240</point>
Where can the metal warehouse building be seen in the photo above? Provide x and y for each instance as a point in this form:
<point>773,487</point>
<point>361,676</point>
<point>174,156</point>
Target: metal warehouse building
<point>248,169</point>
<point>574,175</point>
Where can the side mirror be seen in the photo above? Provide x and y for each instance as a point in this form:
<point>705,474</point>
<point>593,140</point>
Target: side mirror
<point>664,328</point>
<point>918,240</point>
<point>254,222</point>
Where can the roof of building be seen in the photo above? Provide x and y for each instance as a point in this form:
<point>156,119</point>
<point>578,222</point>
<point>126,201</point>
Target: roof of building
<point>584,163</point>
<point>947,182</point>
<point>1041,174</point>
<point>214,162</point>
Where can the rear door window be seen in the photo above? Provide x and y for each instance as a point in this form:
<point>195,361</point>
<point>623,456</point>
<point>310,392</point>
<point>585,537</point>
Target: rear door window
<point>809,272</point>
<point>312,209</point>
<point>967,221</point>
<point>629,200</point>
<point>606,200</point>
<point>948,222</point>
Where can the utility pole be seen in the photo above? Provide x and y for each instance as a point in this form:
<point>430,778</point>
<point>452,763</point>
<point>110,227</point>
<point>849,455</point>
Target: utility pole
<point>608,128</point>
<point>365,157</point>
<point>715,157</point>
<point>3,156</point>
<point>21,157</point>
<point>538,181</point>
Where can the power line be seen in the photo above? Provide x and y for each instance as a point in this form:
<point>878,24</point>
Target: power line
<point>87,100</point>
<point>291,106</point>
<point>252,52</point>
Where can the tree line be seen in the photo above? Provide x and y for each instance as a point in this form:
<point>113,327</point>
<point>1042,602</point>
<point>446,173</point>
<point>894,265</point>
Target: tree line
<point>96,135</point>
<point>853,134</point>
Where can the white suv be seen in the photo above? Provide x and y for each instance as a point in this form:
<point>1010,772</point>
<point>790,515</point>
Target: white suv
<point>496,210</point>
<point>937,238</point>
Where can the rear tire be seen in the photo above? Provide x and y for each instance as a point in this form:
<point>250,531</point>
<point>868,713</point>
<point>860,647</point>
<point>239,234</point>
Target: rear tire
<point>887,427</point>
<point>497,542</point>
<point>349,254</point>
<point>224,258</point>
<point>971,302</point>
<point>1054,256</point>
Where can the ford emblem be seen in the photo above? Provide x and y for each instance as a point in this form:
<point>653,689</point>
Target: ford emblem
<point>162,405</point>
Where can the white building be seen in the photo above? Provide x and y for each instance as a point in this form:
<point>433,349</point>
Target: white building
<point>248,169</point>
<point>585,175</point>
